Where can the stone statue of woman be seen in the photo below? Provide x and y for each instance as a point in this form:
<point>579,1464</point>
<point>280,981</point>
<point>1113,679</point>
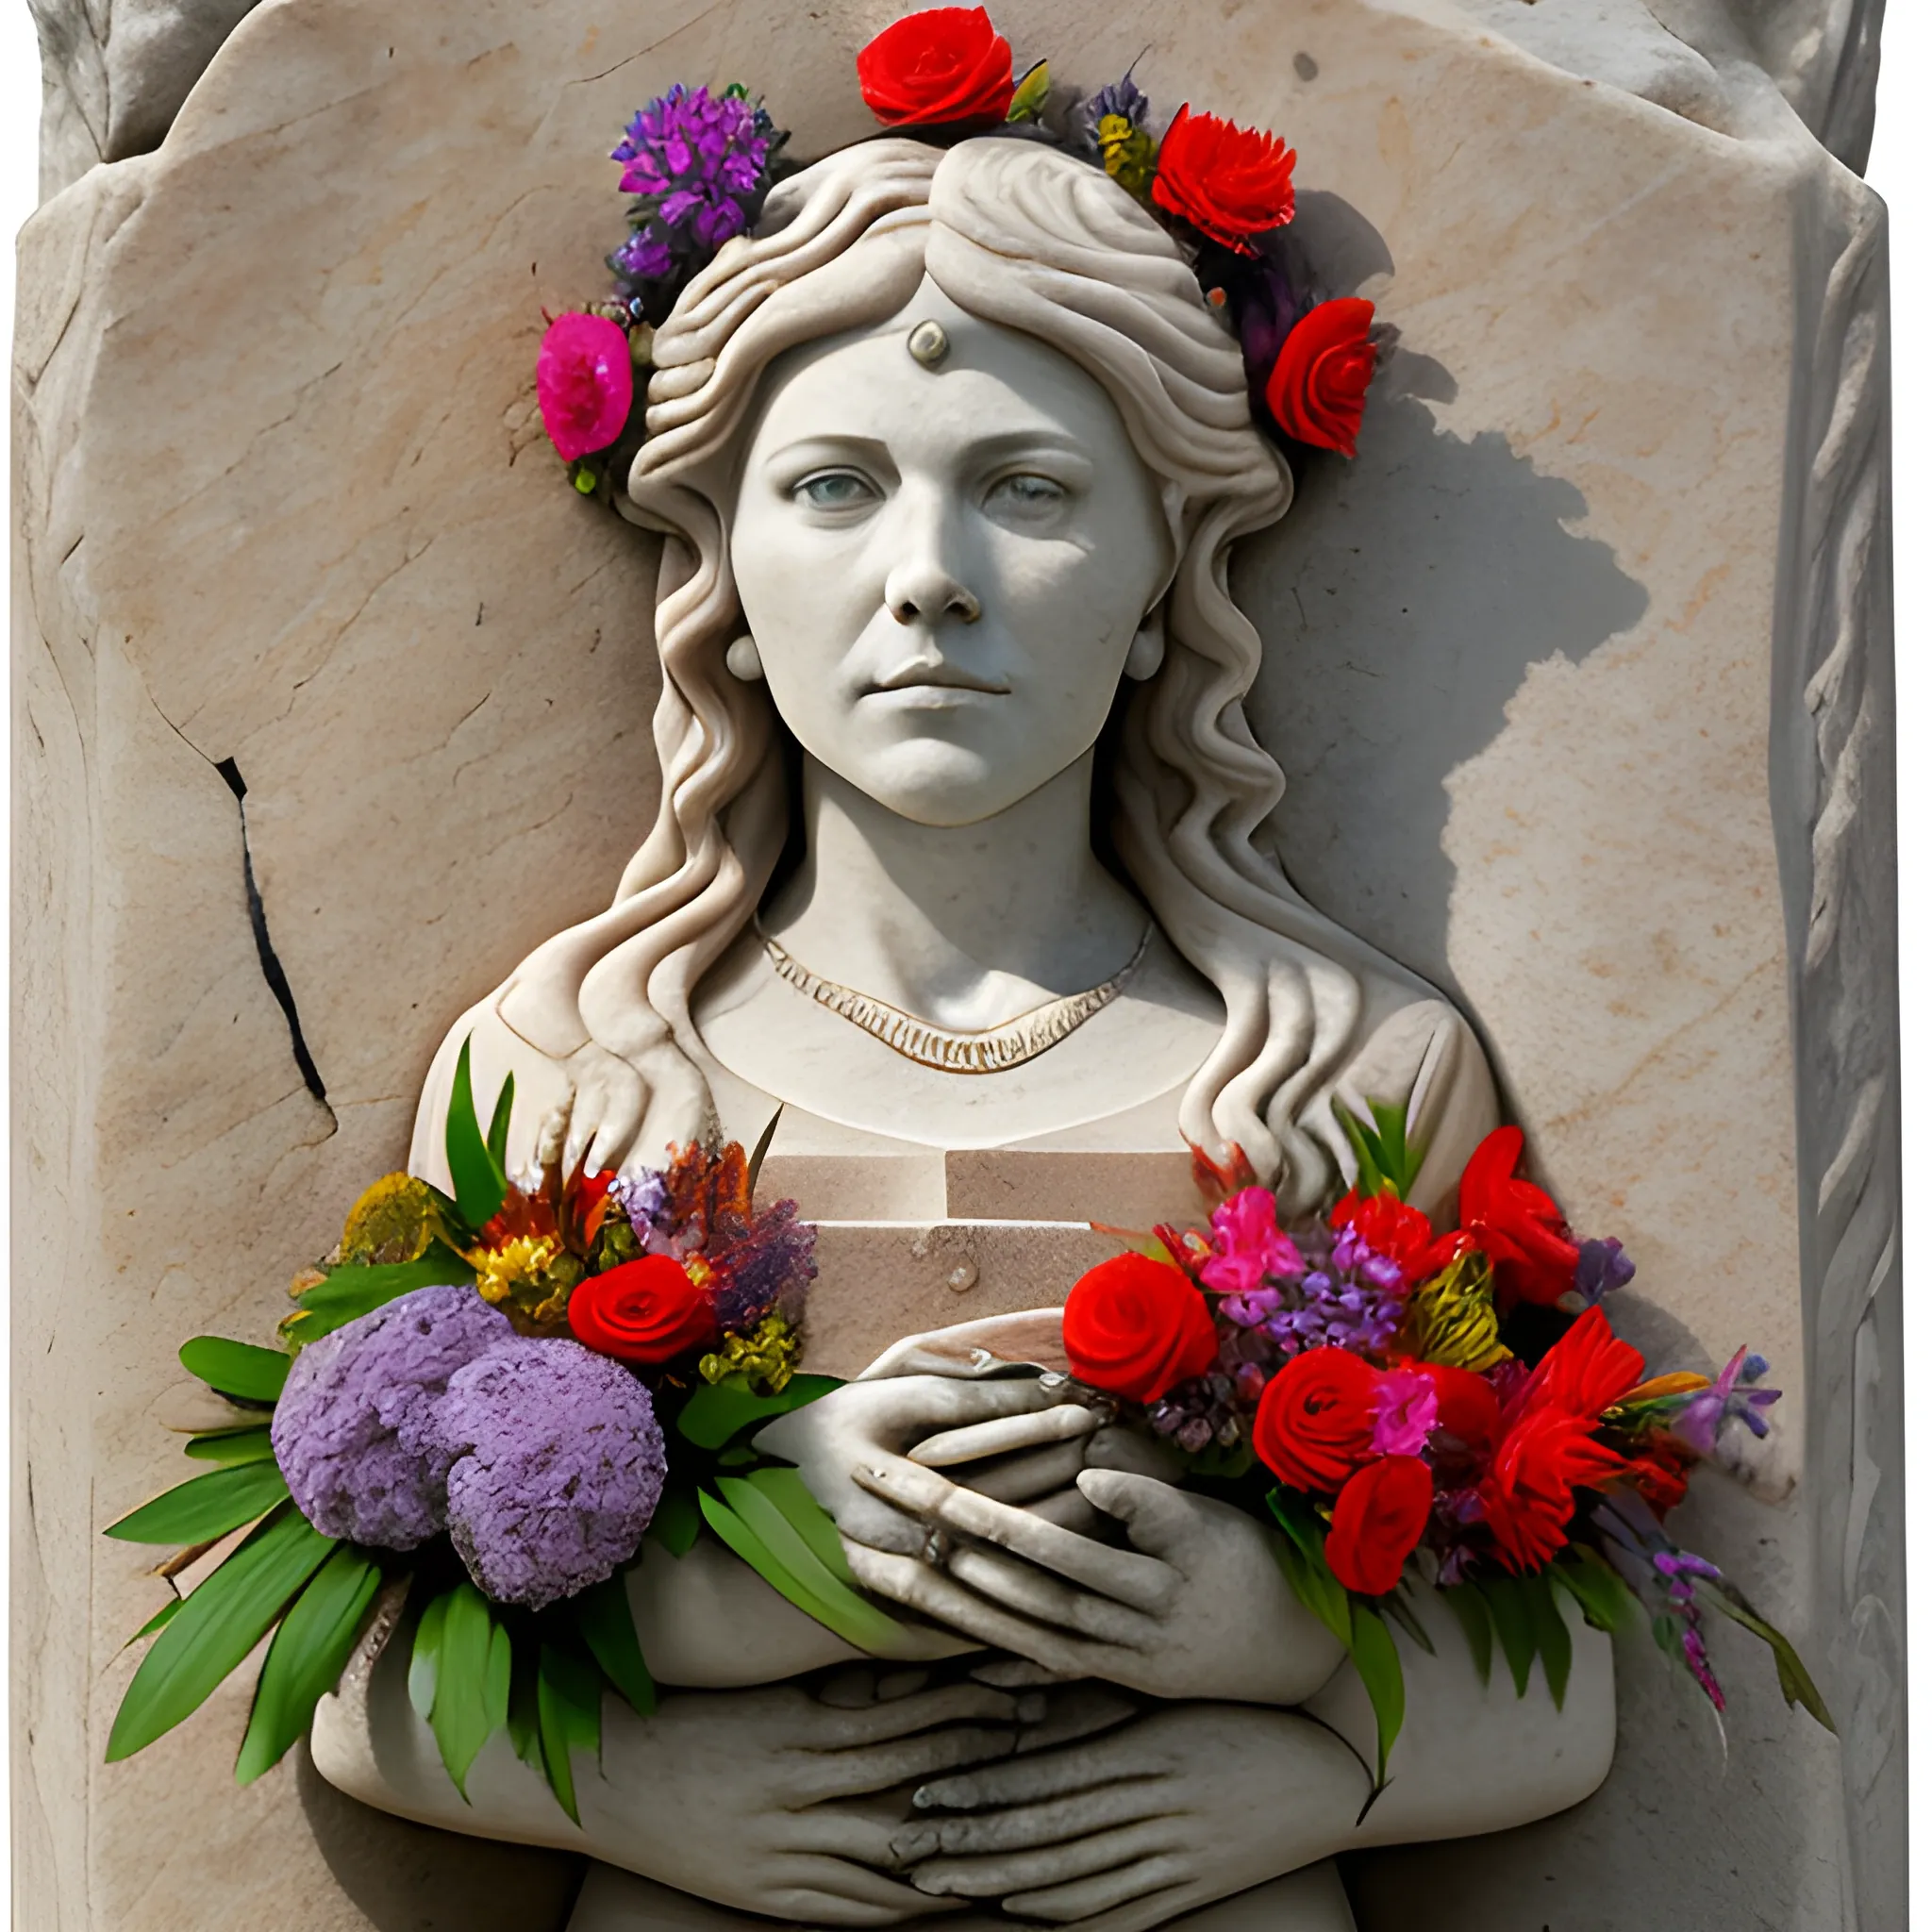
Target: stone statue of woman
<point>949,454</point>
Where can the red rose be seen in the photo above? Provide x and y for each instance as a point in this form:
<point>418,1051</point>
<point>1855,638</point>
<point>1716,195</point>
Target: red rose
<point>1230,182</point>
<point>1466,1405</point>
<point>1529,1494</point>
<point>1135,1326</point>
<point>1515,1224</point>
<point>938,68</point>
<point>1379,1518</point>
<point>1321,377</point>
<point>1587,1371</point>
<point>648,1311</point>
<point>1394,1229</point>
<point>1316,1421</point>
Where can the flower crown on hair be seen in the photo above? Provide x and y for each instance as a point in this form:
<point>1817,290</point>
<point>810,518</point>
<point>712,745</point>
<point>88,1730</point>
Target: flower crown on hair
<point>699,167</point>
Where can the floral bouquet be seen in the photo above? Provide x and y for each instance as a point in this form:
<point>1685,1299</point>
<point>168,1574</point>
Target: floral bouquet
<point>493,1397</point>
<point>1419,1411</point>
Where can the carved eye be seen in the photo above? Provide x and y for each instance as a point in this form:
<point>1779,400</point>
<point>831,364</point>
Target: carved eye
<point>835,490</point>
<point>1025,492</point>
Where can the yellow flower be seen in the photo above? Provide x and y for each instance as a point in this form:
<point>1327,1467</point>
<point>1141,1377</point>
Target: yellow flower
<point>1129,153</point>
<point>395,1221</point>
<point>1452,1318</point>
<point>767,1358</point>
<point>533,1274</point>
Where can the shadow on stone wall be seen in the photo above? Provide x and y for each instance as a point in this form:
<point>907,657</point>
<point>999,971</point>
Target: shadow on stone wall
<point>1401,603</point>
<point>412,1878</point>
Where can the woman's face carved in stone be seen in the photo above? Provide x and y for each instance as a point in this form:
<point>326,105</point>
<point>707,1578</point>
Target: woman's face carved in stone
<point>945,567</point>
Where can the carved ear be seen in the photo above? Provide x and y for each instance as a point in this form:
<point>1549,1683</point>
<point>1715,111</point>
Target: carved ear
<point>742,660</point>
<point>1148,651</point>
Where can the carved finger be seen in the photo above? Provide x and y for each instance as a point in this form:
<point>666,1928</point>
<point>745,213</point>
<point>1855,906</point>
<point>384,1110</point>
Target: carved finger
<point>1015,1674</point>
<point>551,1134</point>
<point>1032,1592</point>
<point>1082,1899</point>
<point>930,1592</point>
<point>1020,1479</point>
<point>833,1890</point>
<point>1134,1453</point>
<point>880,1766</point>
<point>1079,1710</point>
<point>1029,1780</point>
<point>1061,1423</point>
<point>1008,1872</point>
<point>1143,1582</point>
<point>1029,1826</point>
<point>1159,1519</point>
<point>1070,1510</point>
<point>842,1729</point>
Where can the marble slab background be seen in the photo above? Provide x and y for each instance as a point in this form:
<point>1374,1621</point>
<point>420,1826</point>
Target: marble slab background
<point>1580,676</point>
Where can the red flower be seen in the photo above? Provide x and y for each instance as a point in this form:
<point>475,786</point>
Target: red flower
<point>1529,1494</point>
<point>1319,382</point>
<point>1659,1472</point>
<point>1316,1421</point>
<point>1232,183</point>
<point>1587,1371</point>
<point>1466,1405</point>
<point>1135,1326</point>
<point>583,383</point>
<point>1379,1518</point>
<point>648,1311</point>
<point>938,68</point>
<point>1394,1229</point>
<point>1515,1224</point>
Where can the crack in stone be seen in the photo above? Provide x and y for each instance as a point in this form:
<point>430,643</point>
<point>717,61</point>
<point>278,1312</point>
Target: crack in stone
<point>271,969</point>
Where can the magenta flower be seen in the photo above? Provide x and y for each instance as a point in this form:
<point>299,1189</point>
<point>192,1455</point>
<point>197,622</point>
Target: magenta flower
<point>583,384</point>
<point>1249,1245</point>
<point>1404,1412</point>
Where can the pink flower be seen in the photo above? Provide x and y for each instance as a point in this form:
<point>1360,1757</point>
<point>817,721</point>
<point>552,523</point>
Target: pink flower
<point>1404,1408</point>
<point>583,383</point>
<point>1249,1244</point>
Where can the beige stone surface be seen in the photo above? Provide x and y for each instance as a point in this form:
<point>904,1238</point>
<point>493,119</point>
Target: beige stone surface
<point>282,500</point>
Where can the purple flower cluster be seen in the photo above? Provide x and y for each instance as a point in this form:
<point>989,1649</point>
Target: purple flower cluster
<point>558,1463</point>
<point>1733,1398</point>
<point>1602,1267</point>
<point>1354,1300</point>
<point>544,1460</point>
<point>700,165</point>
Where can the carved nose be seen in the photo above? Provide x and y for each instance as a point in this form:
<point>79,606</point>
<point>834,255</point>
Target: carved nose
<point>940,600</point>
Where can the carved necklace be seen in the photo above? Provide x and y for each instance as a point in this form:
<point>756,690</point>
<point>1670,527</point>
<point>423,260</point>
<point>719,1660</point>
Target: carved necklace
<point>989,1051</point>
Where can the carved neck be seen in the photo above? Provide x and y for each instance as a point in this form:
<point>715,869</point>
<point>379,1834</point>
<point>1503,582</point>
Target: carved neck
<point>964,926</point>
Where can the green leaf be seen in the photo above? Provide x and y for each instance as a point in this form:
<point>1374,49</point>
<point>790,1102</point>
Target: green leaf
<point>1793,1680</point>
<point>1385,1162</point>
<point>785,1490</point>
<point>1396,1609</point>
<point>837,1609</point>
<point>1469,1607</point>
<point>205,1506</point>
<point>719,1410</point>
<point>604,1624</point>
<point>498,1137</point>
<point>1306,1561</point>
<point>1514,1630</point>
<point>497,1677</point>
<point>1551,1632</point>
<point>360,1288</point>
<point>162,1616</point>
<point>231,1446</point>
<point>463,1715</point>
<point>477,1174</point>
<point>1605,1596</point>
<point>1029,96</point>
<point>425,1654</point>
<point>570,1716</point>
<point>225,1617</point>
<point>306,1657</point>
<point>1379,1666</point>
<point>676,1523</point>
<point>525,1734</point>
<point>755,1166</point>
<point>237,1368</point>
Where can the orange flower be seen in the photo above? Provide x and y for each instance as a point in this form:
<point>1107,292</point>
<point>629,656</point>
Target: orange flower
<point>1232,183</point>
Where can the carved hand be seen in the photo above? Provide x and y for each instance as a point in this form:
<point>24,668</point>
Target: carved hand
<point>1029,1432</point>
<point>1198,1608</point>
<point>1125,1832</point>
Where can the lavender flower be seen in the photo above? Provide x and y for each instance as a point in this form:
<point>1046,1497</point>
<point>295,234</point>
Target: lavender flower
<point>354,1431</point>
<point>556,1465</point>
<point>1339,1313</point>
<point>1123,99</point>
<point>1601,1266</point>
<point>765,1272</point>
<point>1732,1397</point>
<point>641,1196</point>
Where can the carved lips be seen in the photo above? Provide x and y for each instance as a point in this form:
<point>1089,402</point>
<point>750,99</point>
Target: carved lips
<point>939,68</point>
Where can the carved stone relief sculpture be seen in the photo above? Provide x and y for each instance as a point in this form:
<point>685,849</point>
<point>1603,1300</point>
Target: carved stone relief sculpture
<point>1123,811</point>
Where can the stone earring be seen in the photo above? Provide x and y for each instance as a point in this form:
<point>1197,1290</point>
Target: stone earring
<point>742,660</point>
<point>1148,651</point>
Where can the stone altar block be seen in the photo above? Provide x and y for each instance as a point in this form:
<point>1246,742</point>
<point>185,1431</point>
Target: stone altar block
<point>330,703</point>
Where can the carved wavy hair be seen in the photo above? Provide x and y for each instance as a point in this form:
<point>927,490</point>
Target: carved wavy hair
<point>1023,236</point>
